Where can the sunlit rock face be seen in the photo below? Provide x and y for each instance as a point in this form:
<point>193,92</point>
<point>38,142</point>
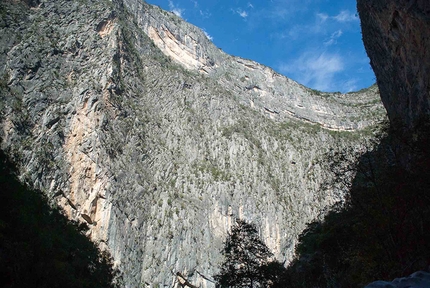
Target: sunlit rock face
<point>253,83</point>
<point>133,122</point>
<point>396,35</point>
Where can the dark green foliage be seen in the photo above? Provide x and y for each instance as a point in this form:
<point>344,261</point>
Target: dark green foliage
<point>248,261</point>
<point>40,247</point>
<point>383,230</point>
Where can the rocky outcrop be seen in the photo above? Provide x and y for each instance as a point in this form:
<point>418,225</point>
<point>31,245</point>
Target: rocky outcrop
<point>396,35</point>
<point>155,154</point>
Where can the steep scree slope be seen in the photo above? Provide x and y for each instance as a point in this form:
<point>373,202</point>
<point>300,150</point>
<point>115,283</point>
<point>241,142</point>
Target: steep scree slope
<point>159,155</point>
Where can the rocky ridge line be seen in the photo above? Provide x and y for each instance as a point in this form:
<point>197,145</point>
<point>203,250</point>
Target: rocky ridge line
<point>255,85</point>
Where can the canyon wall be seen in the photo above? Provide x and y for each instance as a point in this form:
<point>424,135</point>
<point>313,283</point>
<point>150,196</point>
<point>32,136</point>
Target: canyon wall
<point>133,122</point>
<point>396,35</point>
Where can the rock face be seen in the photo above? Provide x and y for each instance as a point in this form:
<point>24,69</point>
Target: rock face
<point>132,121</point>
<point>396,35</point>
<point>253,83</point>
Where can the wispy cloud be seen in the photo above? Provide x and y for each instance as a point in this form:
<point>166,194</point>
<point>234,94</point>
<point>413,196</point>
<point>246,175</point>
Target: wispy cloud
<point>176,10</point>
<point>207,35</point>
<point>345,16</point>
<point>315,69</point>
<point>284,10</point>
<point>315,26</point>
<point>250,5</point>
<point>333,38</point>
<point>322,17</point>
<point>242,13</point>
<point>322,25</point>
<point>350,85</point>
<point>205,14</point>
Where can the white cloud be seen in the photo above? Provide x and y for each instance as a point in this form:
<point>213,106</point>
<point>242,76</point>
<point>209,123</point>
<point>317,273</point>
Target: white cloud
<point>250,5</point>
<point>315,69</point>
<point>208,36</point>
<point>303,30</point>
<point>295,32</point>
<point>345,16</point>
<point>322,17</point>
<point>205,14</point>
<point>176,10</point>
<point>242,13</point>
<point>279,11</point>
<point>350,85</point>
<point>333,38</point>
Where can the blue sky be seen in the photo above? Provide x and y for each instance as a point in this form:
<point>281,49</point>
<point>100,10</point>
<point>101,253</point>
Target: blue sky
<point>315,42</point>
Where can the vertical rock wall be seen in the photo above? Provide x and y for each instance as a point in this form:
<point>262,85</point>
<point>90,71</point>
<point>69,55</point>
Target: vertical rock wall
<point>396,34</point>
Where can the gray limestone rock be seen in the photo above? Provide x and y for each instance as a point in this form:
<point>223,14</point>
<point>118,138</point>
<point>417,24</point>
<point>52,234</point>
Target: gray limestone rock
<point>159,151</point>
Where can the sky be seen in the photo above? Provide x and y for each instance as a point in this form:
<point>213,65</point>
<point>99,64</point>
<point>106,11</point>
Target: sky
<point>314,42</point>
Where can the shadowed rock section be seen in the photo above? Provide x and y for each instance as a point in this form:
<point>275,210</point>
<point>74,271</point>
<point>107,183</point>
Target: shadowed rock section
<point>396,35</point>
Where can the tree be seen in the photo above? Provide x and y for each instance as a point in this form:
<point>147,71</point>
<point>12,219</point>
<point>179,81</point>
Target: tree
<point>248,261</point>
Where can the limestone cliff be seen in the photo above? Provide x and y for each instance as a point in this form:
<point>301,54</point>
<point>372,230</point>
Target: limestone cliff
<point>132,121</point>
<point>254,84</point>
<point>396,35</point>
